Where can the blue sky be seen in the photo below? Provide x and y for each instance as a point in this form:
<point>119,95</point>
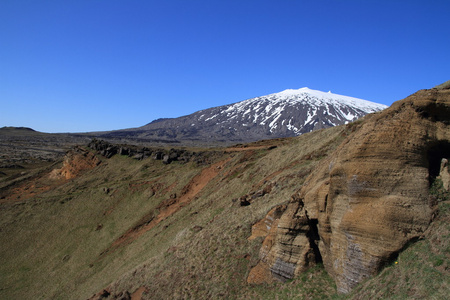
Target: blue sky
<point>91,65</point>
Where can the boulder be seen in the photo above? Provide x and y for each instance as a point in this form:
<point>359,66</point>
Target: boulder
<point>243,201</point>
<point>158,155</point>
<point>124,151</point>
<point>166,159</point>
<point>138,156</point>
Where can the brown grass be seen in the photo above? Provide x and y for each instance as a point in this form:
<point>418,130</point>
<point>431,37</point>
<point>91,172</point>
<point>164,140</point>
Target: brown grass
<point>190,238</point>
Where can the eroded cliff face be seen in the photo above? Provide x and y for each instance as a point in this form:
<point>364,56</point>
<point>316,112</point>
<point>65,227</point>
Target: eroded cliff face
<point>76,161</point>
<point>365,202</point>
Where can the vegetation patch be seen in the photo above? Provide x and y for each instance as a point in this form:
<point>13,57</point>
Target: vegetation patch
<point>200,250</point>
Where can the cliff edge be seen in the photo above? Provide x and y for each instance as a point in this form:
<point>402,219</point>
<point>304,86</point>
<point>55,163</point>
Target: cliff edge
<point>364,203</point>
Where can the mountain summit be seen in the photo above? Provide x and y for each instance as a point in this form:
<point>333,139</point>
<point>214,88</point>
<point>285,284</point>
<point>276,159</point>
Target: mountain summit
<point>284,114</point>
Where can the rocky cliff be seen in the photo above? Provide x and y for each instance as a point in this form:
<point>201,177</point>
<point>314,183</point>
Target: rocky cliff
<point>76,161</point>
<point>364,203</point>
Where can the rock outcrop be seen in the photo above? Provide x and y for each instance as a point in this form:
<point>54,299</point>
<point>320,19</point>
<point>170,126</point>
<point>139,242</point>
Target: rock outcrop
<point>267,228</point>
<point>363,204</point>
<point>76,161</point>
<point>167,156</point>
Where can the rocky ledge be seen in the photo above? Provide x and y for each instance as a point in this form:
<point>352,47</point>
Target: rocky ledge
<point>167,156</point>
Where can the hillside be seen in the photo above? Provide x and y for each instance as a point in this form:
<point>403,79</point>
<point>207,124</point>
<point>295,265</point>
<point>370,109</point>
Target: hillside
<point>117,221</point>
<point>22,145</point>
<point>104,215</point>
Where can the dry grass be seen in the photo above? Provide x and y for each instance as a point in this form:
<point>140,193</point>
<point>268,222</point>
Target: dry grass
<point>52,244</point>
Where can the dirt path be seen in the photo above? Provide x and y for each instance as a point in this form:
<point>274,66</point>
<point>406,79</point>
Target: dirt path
<point>171,206</point>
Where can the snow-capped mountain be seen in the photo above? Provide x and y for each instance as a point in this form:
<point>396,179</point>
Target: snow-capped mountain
<point>283,114</point>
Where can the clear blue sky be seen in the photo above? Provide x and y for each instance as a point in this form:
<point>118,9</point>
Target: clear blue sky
<point>91,65</point>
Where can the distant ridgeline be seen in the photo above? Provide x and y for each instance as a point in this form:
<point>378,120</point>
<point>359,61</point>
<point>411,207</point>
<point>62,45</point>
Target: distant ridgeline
<point>285,114</point>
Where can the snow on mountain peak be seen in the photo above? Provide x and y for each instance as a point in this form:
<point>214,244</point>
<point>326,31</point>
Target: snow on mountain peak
<point>298,110</point>
<point>288,113</point>
<point>290,92</point>
<point>319,97</point>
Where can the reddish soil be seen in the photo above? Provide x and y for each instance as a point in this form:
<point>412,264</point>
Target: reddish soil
<point>28,190</point>
<point>75,163</point>
<point>170,206</point>
<point>137,295</point>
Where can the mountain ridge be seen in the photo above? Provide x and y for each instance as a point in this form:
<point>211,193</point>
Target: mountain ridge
<point>285,114</point>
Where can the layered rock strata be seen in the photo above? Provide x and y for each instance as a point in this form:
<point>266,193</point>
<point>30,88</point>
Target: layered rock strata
<point>369,199</point>
<point>266,228</point>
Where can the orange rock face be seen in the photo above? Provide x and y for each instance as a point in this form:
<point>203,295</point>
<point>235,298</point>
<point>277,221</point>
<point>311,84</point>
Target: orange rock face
<point>76,161</point>
<point>365,202</point>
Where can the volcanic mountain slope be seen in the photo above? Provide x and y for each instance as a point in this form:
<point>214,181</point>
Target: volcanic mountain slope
<point>210,224</point>
<point>285,114</point>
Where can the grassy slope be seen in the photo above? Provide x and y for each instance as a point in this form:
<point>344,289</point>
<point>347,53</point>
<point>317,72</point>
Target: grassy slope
<point>52,244</point>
